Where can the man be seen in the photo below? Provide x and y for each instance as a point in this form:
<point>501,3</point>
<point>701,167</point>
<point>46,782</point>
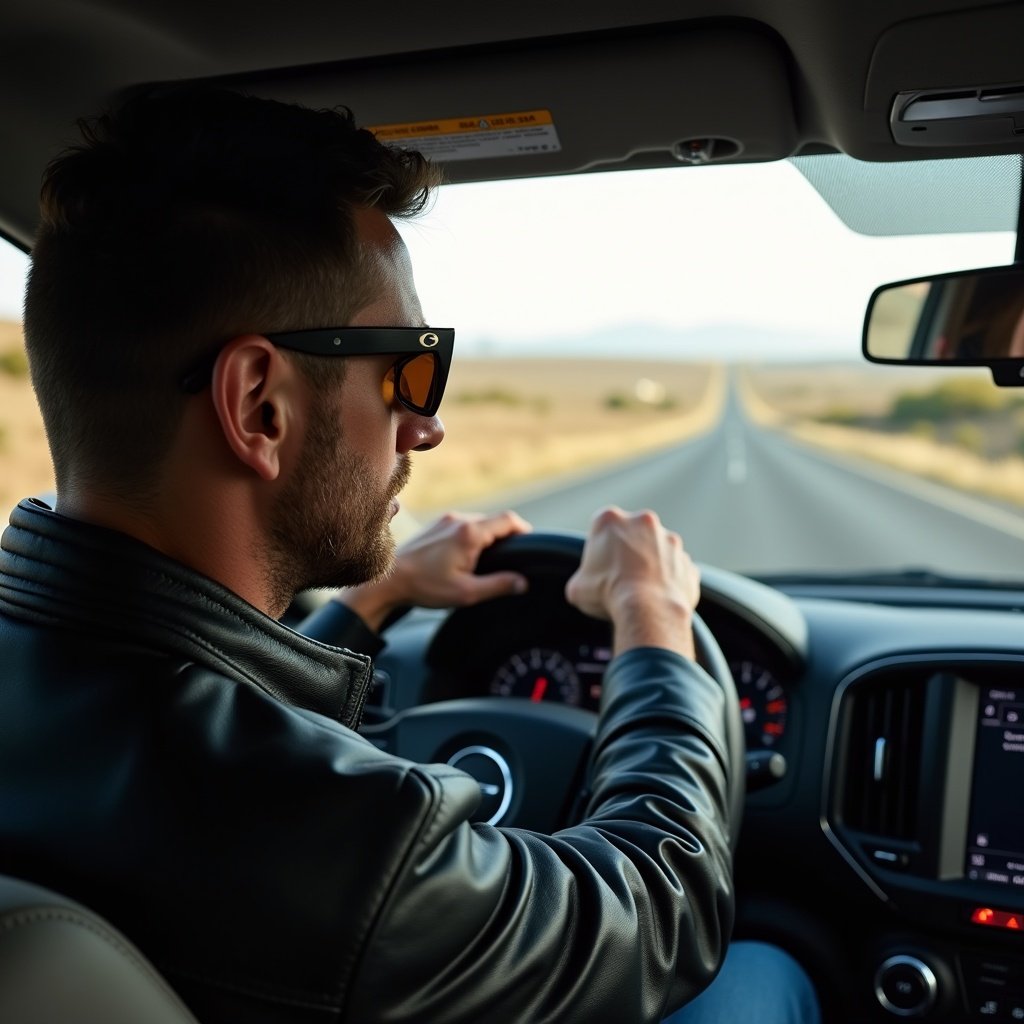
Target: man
<point>177,760</point>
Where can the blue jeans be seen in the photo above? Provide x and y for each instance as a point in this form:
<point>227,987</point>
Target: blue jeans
<point>758,984</point>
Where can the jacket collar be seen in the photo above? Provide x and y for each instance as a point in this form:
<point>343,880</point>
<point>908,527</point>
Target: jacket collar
<point>58,570</point>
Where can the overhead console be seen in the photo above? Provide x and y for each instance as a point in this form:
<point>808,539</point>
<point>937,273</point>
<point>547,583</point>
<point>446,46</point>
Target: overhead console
<point>959,117</point>
<point>946,81</point>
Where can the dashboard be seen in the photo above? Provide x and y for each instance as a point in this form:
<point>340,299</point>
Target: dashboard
<point>888,855</point>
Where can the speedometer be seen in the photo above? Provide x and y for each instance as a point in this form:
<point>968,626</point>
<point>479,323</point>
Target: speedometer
<point>763,704</point>
<point>538,674</point>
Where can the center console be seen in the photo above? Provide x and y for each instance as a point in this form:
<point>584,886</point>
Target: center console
<point>925,801</point>
<point>995,833</point>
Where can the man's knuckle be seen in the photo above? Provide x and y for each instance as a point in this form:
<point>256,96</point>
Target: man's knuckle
<point>466,532</point>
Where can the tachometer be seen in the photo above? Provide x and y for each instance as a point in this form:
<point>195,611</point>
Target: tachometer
<point>538,674</point>
<point>763,704</point>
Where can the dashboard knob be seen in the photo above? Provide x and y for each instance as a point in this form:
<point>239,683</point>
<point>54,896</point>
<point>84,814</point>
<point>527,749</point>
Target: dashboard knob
<point>906,986</point>
<point>764,768</point>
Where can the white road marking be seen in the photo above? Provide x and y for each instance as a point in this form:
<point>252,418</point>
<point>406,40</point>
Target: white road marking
<point>736,459</point>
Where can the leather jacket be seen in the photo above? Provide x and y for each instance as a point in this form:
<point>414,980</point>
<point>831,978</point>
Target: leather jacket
<point>187,767</point>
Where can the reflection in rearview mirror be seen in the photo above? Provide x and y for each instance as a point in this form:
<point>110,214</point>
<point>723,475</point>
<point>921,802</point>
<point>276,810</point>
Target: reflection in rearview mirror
<point>974,318</point>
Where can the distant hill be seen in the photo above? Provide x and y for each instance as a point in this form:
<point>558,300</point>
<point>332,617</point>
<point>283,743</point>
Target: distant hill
<point>731,343</point>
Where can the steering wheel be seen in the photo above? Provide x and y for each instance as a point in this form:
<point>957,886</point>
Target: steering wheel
<point>530,758</point>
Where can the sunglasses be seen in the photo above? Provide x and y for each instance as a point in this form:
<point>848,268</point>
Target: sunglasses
<point>416,379</point>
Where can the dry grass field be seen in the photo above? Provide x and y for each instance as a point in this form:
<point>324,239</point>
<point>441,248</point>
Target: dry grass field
<point>811,391</point>
<point>792,398</point>
<point>513,421</point>
<point>24,458</point>
<point>509,422</point>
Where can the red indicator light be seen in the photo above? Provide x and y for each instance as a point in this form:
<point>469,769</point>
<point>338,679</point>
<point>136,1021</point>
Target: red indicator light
<point>998,919</point>
<point>776,707</point>
<point>773,728</point>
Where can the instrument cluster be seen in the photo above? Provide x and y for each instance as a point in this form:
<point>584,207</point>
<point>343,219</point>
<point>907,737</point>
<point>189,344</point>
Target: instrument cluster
<point>562,657</point>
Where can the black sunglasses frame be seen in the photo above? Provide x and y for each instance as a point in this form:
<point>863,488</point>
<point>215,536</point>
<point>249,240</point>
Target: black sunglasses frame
<point>409,342</point>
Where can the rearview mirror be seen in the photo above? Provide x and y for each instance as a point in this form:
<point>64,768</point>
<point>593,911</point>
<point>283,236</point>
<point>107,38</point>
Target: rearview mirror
<point>971,318</point>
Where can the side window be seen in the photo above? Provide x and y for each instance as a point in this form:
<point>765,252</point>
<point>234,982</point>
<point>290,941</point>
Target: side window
<point>25,467</point>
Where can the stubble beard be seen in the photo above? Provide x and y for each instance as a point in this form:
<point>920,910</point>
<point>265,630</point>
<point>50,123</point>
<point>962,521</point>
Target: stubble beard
<point>331,525</point>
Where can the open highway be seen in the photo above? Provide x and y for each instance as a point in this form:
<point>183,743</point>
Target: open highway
<point>752,500</point>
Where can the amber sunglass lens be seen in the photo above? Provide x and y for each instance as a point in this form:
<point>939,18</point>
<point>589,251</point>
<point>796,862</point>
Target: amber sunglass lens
<point>416,380</point>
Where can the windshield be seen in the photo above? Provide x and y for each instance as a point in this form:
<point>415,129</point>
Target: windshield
<point>686,340</point>
<point>689,340</point>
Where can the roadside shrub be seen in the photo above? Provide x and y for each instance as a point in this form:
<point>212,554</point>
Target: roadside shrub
<point>491,396</point>
<point>842,416</point>
<point>617,400</point>
<point>950,400</point>
<point>14,362</point>
<point>969,437</point>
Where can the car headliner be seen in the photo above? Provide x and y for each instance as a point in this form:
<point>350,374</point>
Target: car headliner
<point>624,82</point>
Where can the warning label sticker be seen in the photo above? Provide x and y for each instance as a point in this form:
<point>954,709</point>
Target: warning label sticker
<point>524,133</point>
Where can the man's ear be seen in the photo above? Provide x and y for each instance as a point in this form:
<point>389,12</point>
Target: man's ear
<point>253,393</point>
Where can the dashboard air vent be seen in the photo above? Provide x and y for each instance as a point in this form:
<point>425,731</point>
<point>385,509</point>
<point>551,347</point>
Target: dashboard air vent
<point>883,758</point>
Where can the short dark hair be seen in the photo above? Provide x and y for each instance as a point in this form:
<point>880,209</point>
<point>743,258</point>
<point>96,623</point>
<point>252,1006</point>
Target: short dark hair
<point>184,219</point>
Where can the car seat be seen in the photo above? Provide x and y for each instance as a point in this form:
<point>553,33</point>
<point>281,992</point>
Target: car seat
<point>62,963</point>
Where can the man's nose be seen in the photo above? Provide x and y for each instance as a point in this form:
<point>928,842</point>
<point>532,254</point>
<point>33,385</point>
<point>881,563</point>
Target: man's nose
<point>419,433</point>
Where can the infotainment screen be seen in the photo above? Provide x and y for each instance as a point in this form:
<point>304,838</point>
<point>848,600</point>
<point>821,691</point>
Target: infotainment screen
<point>995,837</point>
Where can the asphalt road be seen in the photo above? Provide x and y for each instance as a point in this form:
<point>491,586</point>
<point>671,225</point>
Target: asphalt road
<point>755,501</point>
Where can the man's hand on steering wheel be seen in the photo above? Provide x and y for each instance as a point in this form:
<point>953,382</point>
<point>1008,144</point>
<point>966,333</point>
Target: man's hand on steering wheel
<point>631,571</point>
<point>637,574</point>
<point>435,569</point>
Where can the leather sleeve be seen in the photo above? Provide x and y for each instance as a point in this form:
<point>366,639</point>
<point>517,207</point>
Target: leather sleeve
<point>336,624</point>
<point>619,919</point>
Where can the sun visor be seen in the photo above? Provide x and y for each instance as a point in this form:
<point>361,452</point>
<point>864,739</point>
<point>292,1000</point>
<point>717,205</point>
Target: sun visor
<point>951,83</point>
<point>555,107</point>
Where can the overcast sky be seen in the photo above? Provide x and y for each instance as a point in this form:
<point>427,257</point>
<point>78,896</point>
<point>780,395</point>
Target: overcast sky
<point>747,245</point>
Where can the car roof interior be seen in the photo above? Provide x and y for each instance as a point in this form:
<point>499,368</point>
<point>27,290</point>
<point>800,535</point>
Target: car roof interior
<point>627,85</point>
